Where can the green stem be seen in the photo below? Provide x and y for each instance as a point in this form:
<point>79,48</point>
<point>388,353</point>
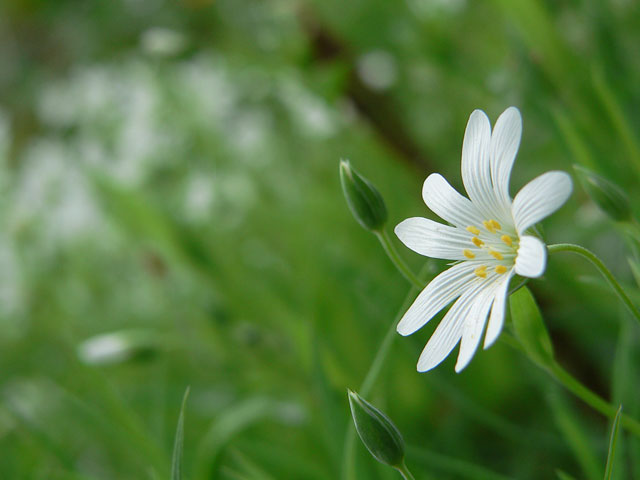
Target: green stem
<point>393,255</point>
<point>567,247</point>
<point>593,400</point>
<point>404,471</point>
<point>348,457</point>
<point>578,389</point>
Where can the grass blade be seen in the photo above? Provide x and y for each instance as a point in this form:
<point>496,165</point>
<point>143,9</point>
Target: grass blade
<point>176,459</point>
<point>608,471</point>
<point>564,475</point>
<point>574,434</point>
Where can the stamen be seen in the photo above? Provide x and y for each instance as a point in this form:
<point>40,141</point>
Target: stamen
<point>496,255</point>
<point>477,242</point>
<point>481,271</point>
<point>501,269</point>
<point>472,229</point>
<point>495,224</point>
<point>489,226</point>
<point>506,239</point>
<point>468,253</point>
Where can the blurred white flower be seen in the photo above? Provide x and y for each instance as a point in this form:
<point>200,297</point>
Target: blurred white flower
<point>163,42</point>
<point>487,239</point>
<point>378,70</point>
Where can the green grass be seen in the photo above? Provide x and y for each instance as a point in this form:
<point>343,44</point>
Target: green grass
<point>194,196</point>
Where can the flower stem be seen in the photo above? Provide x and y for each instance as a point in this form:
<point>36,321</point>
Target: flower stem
<point>568,247</point>
<point>393,255</point>
<point>404,471</point>
<point>348,456</point>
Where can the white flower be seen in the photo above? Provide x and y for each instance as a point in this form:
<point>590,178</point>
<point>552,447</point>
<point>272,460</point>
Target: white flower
<point>487,239</point>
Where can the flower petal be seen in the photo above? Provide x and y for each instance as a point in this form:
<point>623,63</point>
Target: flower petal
<point>443,200</point>
<point>441,291</point>
<point>496,319</point>
<point>505,141</point>
<point>532,257</point>
<point>476,170</point>
<point>540,198</point>
<point>474,323</point>
<point>433,239</point>
<point>449,331</point>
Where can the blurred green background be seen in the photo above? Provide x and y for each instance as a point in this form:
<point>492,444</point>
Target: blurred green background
<point>170,177</point>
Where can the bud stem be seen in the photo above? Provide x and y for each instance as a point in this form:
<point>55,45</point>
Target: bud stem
<point>404,471</point>
<point>606,273</point>
<point>393,255</point>
<point>348,459</point>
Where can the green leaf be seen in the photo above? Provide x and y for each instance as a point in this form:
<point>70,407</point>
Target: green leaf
<point>608,196</point>
<point>176,459</point>
<point>608,471</point>
<point>530,328</point>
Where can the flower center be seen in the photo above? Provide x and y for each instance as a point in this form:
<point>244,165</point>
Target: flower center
<point>492,244</point>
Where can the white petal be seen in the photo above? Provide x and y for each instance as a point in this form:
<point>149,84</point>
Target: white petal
<point>447,203</point>
<point>446,336</point>
<point>474,324</point>
<point>505,141</point>
<point>539,198</point>
<point>441,291</point>
<point>476,170</point>
<point>433,239</point>
<point>496,319</point>
<point>532,257</point>
<point>449,331</point>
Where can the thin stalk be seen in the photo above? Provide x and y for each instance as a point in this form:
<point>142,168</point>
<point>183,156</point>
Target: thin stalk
<point>348,458</point>
<point>606,273</point>
<point>590,398</point>
<point>581,391</point>
<point>393,255</point>
<point>404,471</point>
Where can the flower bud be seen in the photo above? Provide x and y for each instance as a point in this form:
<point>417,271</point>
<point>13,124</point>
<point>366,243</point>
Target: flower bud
<point>118,347</point>
<point>364,200</point>
<point>609,197</point>
<point>530,328</point>
<point>377,432</point>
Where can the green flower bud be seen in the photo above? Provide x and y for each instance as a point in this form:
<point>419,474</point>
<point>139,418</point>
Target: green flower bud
<point>377,432</point>
<point>364,200</point>
<point>118,347</point>
<point>611,199</point>
<point>530,328</point>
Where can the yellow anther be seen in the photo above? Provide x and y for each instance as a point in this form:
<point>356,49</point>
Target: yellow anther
<point>489,226</point>
<point>496,255</point>
<point>501,269</point>
<point>477,242</point>
<point>495,224</point>
<point>472,229</point>
<point>468,253</point>
<point>481,271</point>
<point>506,239</point>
